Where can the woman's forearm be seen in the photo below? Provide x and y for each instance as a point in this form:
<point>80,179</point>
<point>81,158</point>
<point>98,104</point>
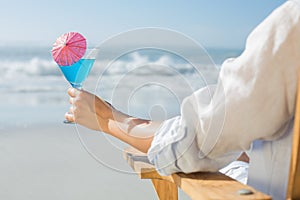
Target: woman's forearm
<point>133,131</point>
<point>92,112</point>
<point>139,137</point>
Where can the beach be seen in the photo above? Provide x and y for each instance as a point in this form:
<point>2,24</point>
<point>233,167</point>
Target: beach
<point>43,158</point>
<point>49,162</point>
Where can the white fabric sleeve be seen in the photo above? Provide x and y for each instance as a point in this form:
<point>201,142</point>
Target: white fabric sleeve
<point>237,170</point>
<point>254,99</point>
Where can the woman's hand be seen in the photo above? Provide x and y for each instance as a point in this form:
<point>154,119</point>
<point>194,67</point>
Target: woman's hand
<point>88,110</point>
<point>92,112</point>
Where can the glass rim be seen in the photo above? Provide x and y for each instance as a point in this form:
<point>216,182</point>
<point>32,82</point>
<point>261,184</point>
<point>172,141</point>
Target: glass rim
<point>90,53</point>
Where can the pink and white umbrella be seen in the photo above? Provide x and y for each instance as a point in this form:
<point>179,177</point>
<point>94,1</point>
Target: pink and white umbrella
<point>69,48</point>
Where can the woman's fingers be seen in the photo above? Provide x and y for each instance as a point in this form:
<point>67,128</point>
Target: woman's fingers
<point>73,92</point>
<point>71,100</point>
<point>69,117</point>
<point>71,110</point>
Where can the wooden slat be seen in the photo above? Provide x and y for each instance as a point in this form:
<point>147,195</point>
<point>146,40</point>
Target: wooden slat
<point>201,185</point>
<point>293,190</point>
<point>213,186</point>
<point>165,190</point>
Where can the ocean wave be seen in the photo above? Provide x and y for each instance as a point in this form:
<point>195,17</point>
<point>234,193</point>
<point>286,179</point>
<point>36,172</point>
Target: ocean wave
<point>143,65</point>
<point>140,64</point>
<point>135,63</point>
<point>33,67</point>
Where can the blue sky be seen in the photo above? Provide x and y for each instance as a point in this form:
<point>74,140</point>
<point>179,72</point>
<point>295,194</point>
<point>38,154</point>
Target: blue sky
<point>212,23</point>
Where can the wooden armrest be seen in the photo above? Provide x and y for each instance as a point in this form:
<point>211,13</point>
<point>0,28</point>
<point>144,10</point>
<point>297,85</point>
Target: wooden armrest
<point>200,185</point>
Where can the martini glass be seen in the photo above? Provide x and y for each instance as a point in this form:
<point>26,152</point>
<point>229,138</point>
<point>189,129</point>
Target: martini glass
<point>76,73</point>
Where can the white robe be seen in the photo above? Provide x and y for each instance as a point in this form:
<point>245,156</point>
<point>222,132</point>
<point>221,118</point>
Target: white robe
<point>254,101</point>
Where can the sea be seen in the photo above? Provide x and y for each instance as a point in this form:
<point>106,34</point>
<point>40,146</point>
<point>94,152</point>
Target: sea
<point>43,158</point>
<point>147,83</point>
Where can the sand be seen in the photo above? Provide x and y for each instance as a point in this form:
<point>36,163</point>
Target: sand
<point>49,162</point>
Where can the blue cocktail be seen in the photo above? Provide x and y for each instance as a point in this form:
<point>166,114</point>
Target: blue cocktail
<point>77,72</point>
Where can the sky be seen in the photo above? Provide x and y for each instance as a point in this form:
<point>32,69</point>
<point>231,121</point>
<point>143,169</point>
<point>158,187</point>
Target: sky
<point>212,23</point>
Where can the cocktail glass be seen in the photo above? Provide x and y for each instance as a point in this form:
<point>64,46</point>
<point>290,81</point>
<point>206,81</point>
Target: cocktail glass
<point>76,73</point>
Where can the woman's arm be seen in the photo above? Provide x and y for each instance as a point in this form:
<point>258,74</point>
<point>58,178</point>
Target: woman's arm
<point>92,112</point>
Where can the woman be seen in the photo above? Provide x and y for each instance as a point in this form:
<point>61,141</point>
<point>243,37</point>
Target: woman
<point>253,103</point>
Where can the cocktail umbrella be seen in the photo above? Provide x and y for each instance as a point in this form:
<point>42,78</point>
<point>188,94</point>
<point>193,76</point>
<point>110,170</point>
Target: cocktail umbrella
<point>69,48</point>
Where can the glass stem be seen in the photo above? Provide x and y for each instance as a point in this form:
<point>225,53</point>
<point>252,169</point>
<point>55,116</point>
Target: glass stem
<point>78,86</point>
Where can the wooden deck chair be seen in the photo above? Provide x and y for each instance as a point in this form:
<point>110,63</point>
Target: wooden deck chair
<point>293,190</point>
<point>203,185</point>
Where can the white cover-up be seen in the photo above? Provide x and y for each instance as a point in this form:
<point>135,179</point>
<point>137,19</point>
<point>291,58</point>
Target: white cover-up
<point>254,100</point>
